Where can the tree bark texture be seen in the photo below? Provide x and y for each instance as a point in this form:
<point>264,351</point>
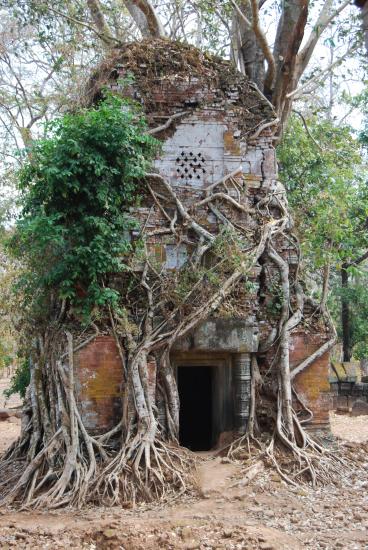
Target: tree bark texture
<point>145,18</point>
<point>345,315</point>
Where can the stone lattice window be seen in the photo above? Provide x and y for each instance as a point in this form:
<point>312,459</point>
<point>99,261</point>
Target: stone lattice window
<point>190,166</point>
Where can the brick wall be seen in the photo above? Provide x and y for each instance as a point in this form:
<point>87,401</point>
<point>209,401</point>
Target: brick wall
<point>99,376</point>
<point>312,384</point>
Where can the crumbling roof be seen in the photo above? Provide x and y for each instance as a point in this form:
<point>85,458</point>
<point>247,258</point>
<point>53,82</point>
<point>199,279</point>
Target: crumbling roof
<point>155,61</point>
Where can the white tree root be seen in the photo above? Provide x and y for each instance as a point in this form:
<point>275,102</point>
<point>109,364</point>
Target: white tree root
<point>139,459</point>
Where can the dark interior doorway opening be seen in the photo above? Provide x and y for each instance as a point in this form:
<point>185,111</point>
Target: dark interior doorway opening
<point>195,392</point>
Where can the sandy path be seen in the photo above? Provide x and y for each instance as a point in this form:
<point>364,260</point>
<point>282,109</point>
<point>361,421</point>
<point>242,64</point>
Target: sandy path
<point>350,428</point>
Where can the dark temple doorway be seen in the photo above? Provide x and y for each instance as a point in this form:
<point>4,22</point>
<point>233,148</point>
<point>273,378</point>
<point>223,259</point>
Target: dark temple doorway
<point>195,392</point>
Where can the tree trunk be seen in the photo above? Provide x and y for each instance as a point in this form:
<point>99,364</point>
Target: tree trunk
<point>249,53</point>
<point>345,315</point>
<point>145,18</point>
<point>290,33</point>
<point>100,22</point>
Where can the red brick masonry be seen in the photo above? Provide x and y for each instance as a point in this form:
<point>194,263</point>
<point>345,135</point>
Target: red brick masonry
<point>99,378</point>
<point>312,384</point>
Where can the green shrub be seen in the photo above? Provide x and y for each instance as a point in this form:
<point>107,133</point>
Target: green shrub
<point>77,187</point>
<point>20,380</point>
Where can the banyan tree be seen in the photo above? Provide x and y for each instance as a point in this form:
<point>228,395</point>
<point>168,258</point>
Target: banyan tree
<point>212,341</point>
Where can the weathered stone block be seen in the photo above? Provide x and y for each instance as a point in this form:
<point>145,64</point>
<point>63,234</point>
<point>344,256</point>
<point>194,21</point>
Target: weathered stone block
<point>359,408</point>
<point>231,335</point>
<point>269,166</point>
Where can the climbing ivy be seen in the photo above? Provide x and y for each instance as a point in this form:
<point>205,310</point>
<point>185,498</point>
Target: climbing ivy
<point>76,190</point>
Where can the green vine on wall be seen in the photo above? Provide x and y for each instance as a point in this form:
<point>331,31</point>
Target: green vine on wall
<point>76,189</point>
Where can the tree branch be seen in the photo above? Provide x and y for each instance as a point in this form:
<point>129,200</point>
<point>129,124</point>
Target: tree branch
<point>98,17</point>
<point>83,24</point>
<point>316,355</point>
<point>289,36</point>
<point>297,92</point>
<point>167,124</point>
<point>261,39</point>
<point>145,18</point>
<point>359,260</point>
<point>324,19</point>
<point>241,14</point>
<point>182,210</point>
<point>307,130</point>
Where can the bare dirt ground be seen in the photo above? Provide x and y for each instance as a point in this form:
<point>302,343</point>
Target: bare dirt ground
<point>13,400</point>
<point>265,515</point>
<point>9,430</point>
<point>349,428</point>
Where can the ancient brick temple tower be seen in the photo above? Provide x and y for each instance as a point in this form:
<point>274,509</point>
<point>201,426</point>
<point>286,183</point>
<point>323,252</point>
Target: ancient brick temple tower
<point>213,122</point>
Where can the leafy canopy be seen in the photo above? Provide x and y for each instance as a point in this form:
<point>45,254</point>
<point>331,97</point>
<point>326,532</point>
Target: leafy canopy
<point>326,180</point>
<point>327,190</point>
<point>76,190</point>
